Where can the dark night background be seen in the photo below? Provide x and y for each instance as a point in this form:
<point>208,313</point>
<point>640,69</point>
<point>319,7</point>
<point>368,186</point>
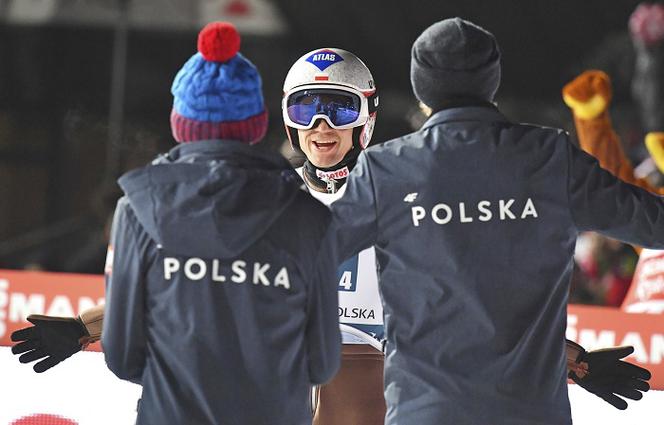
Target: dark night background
<point>56,187</point>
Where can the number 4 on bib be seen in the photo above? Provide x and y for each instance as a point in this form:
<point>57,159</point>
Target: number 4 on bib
<point>347,275</point>
<point>346,281</point>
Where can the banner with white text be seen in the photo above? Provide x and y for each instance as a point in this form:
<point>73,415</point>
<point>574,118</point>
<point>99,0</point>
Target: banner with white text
<point>58,294</point>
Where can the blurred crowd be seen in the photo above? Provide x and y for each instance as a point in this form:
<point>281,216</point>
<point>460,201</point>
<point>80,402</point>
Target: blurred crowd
<point>634,62</point>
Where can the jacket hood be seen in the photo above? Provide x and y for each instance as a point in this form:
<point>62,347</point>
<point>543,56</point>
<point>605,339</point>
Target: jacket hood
<point>211,199</point>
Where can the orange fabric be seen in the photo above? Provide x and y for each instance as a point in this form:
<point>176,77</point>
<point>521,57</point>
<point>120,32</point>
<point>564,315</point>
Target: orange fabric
<point>596,135</point>
<point>589,84</point>
<point>588,95</point>
<point>355,395</point>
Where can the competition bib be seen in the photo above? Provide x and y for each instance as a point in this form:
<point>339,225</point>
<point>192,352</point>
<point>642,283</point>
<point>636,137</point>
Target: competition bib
<point>347,275</point>
<point>360,307</point>
<point>359,300</point>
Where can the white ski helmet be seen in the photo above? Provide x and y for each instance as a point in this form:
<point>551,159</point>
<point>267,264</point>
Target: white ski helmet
<point>332,72</point>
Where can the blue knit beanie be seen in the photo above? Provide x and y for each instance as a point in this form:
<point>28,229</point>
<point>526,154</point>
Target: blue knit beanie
<point>217,93</point>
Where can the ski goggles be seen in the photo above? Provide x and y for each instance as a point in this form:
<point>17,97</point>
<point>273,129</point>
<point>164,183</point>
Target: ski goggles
<point>341,107</point>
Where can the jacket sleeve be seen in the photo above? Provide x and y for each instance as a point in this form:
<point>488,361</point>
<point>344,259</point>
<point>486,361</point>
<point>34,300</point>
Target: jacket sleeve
<point>123,336</point>
<point>322,333</point>
<point>354,215</point>
<point>601,202</point>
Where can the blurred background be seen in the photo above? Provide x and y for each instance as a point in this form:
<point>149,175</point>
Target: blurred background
<point>85,96</point>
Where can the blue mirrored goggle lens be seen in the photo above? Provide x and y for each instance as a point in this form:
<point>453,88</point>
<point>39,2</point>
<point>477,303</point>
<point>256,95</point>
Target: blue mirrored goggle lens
<point>340,107</point>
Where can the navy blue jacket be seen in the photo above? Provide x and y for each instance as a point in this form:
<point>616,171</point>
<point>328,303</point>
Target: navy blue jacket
<point>474,220</point>
<point>222,299</point>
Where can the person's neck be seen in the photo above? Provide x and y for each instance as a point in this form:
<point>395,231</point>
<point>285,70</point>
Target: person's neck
<point>328,180</point>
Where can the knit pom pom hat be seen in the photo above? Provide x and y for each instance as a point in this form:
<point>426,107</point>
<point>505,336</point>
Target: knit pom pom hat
<point>217,93</point>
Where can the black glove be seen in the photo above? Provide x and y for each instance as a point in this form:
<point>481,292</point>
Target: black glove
<point>54,338</point>
<point>602,373</point>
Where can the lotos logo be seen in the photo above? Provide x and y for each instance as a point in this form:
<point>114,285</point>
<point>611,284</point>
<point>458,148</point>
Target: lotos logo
<point>41,419</point>
<point>324,58</point>
<point>341,173</point>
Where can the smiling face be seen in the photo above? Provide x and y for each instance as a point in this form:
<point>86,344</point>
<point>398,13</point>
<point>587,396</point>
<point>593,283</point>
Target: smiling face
<point>325,146</point>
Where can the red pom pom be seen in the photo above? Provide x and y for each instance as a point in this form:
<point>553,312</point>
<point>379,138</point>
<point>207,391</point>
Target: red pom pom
<point>218,41</point>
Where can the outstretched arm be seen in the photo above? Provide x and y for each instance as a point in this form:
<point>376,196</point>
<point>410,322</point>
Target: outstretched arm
<point>603,373</point>
<point>53,339</point>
